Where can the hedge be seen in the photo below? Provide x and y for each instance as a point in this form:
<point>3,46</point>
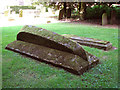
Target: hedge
<point>17,8</point>
<point>97,11</point>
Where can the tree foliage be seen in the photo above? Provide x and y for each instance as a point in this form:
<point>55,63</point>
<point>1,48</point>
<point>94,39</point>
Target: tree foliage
<point>76,8</point>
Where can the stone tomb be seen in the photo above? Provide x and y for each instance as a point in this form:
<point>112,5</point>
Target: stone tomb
<point>91,42</point>
<point>52,48</point>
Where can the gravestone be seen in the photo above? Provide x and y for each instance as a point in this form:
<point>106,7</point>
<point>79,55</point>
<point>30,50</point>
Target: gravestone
<point>20,13</point>
<point>53,48</point>
<point>37,13</point>
<point>43,9</point>
<point>91,42</point>
<point>11,19</point>
<point>104,19</point>
<point>6,13</point>
<point>48,21</point>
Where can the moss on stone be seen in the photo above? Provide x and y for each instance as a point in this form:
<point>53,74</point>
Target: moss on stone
<point>54,56</point>
<point>51,55</point>
<point>57,40</point>
<point>100,44</point>
<point>85,39</point>
<point>51,47</point>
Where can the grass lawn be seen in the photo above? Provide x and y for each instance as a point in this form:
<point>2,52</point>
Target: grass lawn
<point>22,72</point>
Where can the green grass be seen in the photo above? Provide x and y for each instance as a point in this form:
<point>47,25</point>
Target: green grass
<point>22,72</point>
<point>0,59</point>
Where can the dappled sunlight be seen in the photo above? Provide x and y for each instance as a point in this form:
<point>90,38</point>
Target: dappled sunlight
<point>14,19</point>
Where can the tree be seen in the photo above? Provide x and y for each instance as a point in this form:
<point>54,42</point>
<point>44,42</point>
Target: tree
<point>83,11</point>
<point>67,7</point>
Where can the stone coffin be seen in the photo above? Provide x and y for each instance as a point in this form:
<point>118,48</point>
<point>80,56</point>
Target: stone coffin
<point>91,42</point>
<point>53,48</point>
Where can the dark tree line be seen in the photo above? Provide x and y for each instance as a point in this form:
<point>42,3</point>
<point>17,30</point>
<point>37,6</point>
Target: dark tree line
<point>67,7</point>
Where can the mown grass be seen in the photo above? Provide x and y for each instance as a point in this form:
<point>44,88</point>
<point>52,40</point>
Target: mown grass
<point>0,59</point>
<point>22,72</point>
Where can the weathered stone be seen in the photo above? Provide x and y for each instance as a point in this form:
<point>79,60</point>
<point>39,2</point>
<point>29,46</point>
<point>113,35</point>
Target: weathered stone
<point>6,13</point>
<point>50,39</point>
<point>48,21</point>
<point>104,19</point>
<point>64,59</point>
<point>91,42</point>
<point>53,48</point>
<point>20,13</point>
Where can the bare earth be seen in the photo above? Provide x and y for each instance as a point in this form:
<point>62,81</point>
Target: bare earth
<point>95,22</point>
<point>16,20</point>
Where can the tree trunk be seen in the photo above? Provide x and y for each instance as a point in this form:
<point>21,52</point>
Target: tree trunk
<point>79,6</point>
<point>61,13</point>
<point>68,12</point>
<point>83,11</point>
<point>65,9</point>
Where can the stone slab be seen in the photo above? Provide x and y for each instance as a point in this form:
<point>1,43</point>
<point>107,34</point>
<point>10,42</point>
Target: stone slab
<point>91,42</point>
<point>104,19</point>
<point>64,59</point>
<point>53,48</point>
<point>40,36</point>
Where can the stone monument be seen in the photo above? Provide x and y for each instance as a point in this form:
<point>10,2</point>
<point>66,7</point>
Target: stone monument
<point>20,13</point>
<point>52,48</point>
<point>104,19</point>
